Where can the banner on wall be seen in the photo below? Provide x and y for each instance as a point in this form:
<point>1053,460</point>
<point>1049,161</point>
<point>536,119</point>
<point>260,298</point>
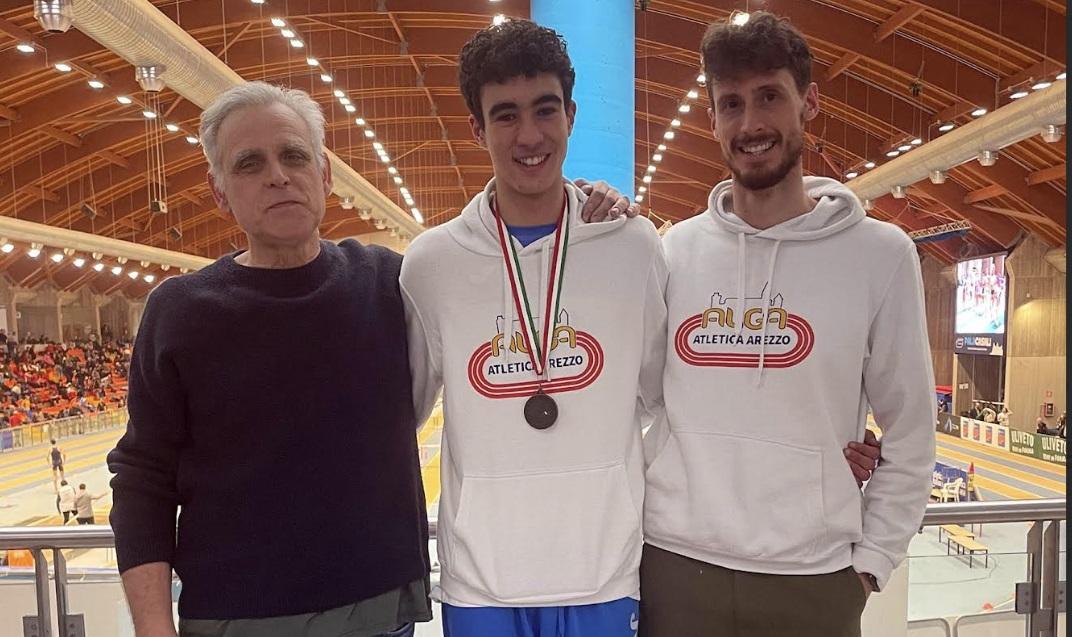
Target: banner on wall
<point>987,433</point>
<point>1048,448</point>
<point>948,424</point>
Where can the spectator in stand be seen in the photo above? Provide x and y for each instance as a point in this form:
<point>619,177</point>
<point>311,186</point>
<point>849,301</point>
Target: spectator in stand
<point>1041,427</point>
<point>988,414</point>
<point>1061,424</point>
<point>1003,417</point>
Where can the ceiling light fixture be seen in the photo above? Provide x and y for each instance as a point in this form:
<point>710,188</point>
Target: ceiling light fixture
<point>1017,95</point>
<point>338,93</point>
<point>98,266</point>
<point>917,141</point>
<point>392,170</point>
<point>8,247</point>
<point>149,278</point>
<point>34,251</point>
<point>668,135</point>
<point>675,122</point>
<point>988,157</point>
<point>852,174</point>
<point>701,79</point>
<point>657,157</point>
<point>498,19</point>
<point>63,67</point>
<point>369,133</point>
<point>344,100</point>
<point>640,198</point>
<point>946,127</point>
<point>297,44</point>
<point>1060,76</point>
<point>979,112</point>
<point>417,215</point>
<point>684,108</point>
<point>739,18</point>
<point>133,274</point>
<point>642,189</point>
<point>25,48</point>
<point>398,181</point>
<point>172,128</point>
<point>57,257</point>
<point>190,139</point>
<point>651,168</point>
<point>661,147</point>
<point>1051,133</point>
<point>95,84</point>
<point>869,165</point>
<point>360,121</point>
<point>868,204</point>
<point>693,94</point>
<point>312,61</point>
<point>904,148</point>
<point>937,177</point>
<point>1041,85</point>
<point>325,78</point>
<point>899,192</point>
<point>148,114</point>
<point>646,179</point>
<point>286,33</point>
<point>893,153</point>
<point>79,262</point>
<point>278,23</point>
<point>123,99</point>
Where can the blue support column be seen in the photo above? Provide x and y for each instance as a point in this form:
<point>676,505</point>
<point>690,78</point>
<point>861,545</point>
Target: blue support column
<point>601,40</point>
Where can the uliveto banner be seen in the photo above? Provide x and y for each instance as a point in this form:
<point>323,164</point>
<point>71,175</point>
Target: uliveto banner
<point>1048,448</point>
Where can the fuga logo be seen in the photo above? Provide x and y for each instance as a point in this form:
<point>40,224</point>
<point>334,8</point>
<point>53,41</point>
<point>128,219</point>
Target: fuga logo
<point>719,337</point>
<point>575,362</point>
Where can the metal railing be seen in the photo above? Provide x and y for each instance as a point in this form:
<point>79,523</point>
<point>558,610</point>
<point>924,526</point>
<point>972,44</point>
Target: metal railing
<point>1040,599</point>
<point>39,433</point>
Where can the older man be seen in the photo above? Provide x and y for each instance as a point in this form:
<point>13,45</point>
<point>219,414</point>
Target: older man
<point>223,427</point>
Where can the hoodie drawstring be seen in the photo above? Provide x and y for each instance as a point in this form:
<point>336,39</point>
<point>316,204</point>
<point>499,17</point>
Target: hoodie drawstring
<point>545,270</point>
<point>768,290</point>
<point>739,312</point>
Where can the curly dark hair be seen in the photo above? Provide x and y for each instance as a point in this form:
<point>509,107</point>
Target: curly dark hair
<point>765,43</point>
<point>508,50</point>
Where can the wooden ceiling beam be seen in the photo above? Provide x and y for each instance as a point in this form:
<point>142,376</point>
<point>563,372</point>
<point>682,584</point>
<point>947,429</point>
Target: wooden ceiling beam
<point>1046,175</point>
<point>902,17</point>
<point>841,64</point>
<point>982,194</point>
<point>41,193</point>
<point>17,33</point>
<point>9,113</point>
<point>114,158</point>
<point>1019,214</point>
<point>62,136</point>
<point>1045,69</point>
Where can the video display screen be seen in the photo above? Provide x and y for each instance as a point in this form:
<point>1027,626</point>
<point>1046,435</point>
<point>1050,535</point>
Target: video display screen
<point>981,293</point>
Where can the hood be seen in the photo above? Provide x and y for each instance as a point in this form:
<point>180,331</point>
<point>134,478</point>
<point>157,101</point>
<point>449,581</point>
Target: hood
<point>477,231</point>
<point>837,209</point>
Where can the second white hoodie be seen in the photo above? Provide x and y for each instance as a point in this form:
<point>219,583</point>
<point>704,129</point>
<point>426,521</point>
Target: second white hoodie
<point>529,517</point>
<point>779,340</point>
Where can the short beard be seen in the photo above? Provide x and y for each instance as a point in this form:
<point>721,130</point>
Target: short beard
<point>769,179</point>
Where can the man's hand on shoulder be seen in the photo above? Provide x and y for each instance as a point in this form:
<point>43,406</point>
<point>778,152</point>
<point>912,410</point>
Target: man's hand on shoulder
<point>604,202</point>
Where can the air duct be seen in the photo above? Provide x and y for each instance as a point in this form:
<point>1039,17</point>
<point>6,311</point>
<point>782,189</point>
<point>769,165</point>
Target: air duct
<point>143,36</point>
<point>1007,125</point>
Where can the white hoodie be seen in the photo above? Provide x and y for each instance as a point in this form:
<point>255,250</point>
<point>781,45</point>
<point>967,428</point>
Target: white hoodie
<point>530,517</point>
<point>748,473</point>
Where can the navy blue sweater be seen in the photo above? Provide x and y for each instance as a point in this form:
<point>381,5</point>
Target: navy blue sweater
<point>274,407</point>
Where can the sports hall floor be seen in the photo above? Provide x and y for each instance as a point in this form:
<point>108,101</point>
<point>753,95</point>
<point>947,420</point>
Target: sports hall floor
<point>941,585</point>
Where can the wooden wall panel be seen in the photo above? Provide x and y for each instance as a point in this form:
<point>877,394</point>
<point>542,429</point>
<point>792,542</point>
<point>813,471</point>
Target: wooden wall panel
<point>1037,336</point>
<point>940,294</point>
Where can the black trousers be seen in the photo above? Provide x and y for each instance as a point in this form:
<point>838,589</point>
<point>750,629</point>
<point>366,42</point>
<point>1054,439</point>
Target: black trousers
<point>683,597</point>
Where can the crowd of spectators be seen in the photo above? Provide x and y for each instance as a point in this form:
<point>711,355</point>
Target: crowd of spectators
<point>43,380</point>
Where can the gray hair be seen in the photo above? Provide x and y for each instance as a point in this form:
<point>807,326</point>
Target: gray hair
<point>258,94</point>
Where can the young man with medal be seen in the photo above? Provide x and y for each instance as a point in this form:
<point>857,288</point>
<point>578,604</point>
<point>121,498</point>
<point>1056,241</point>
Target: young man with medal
<point>549,373</point>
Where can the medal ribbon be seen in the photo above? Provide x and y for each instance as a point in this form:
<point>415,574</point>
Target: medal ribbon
<point>540,354</point>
